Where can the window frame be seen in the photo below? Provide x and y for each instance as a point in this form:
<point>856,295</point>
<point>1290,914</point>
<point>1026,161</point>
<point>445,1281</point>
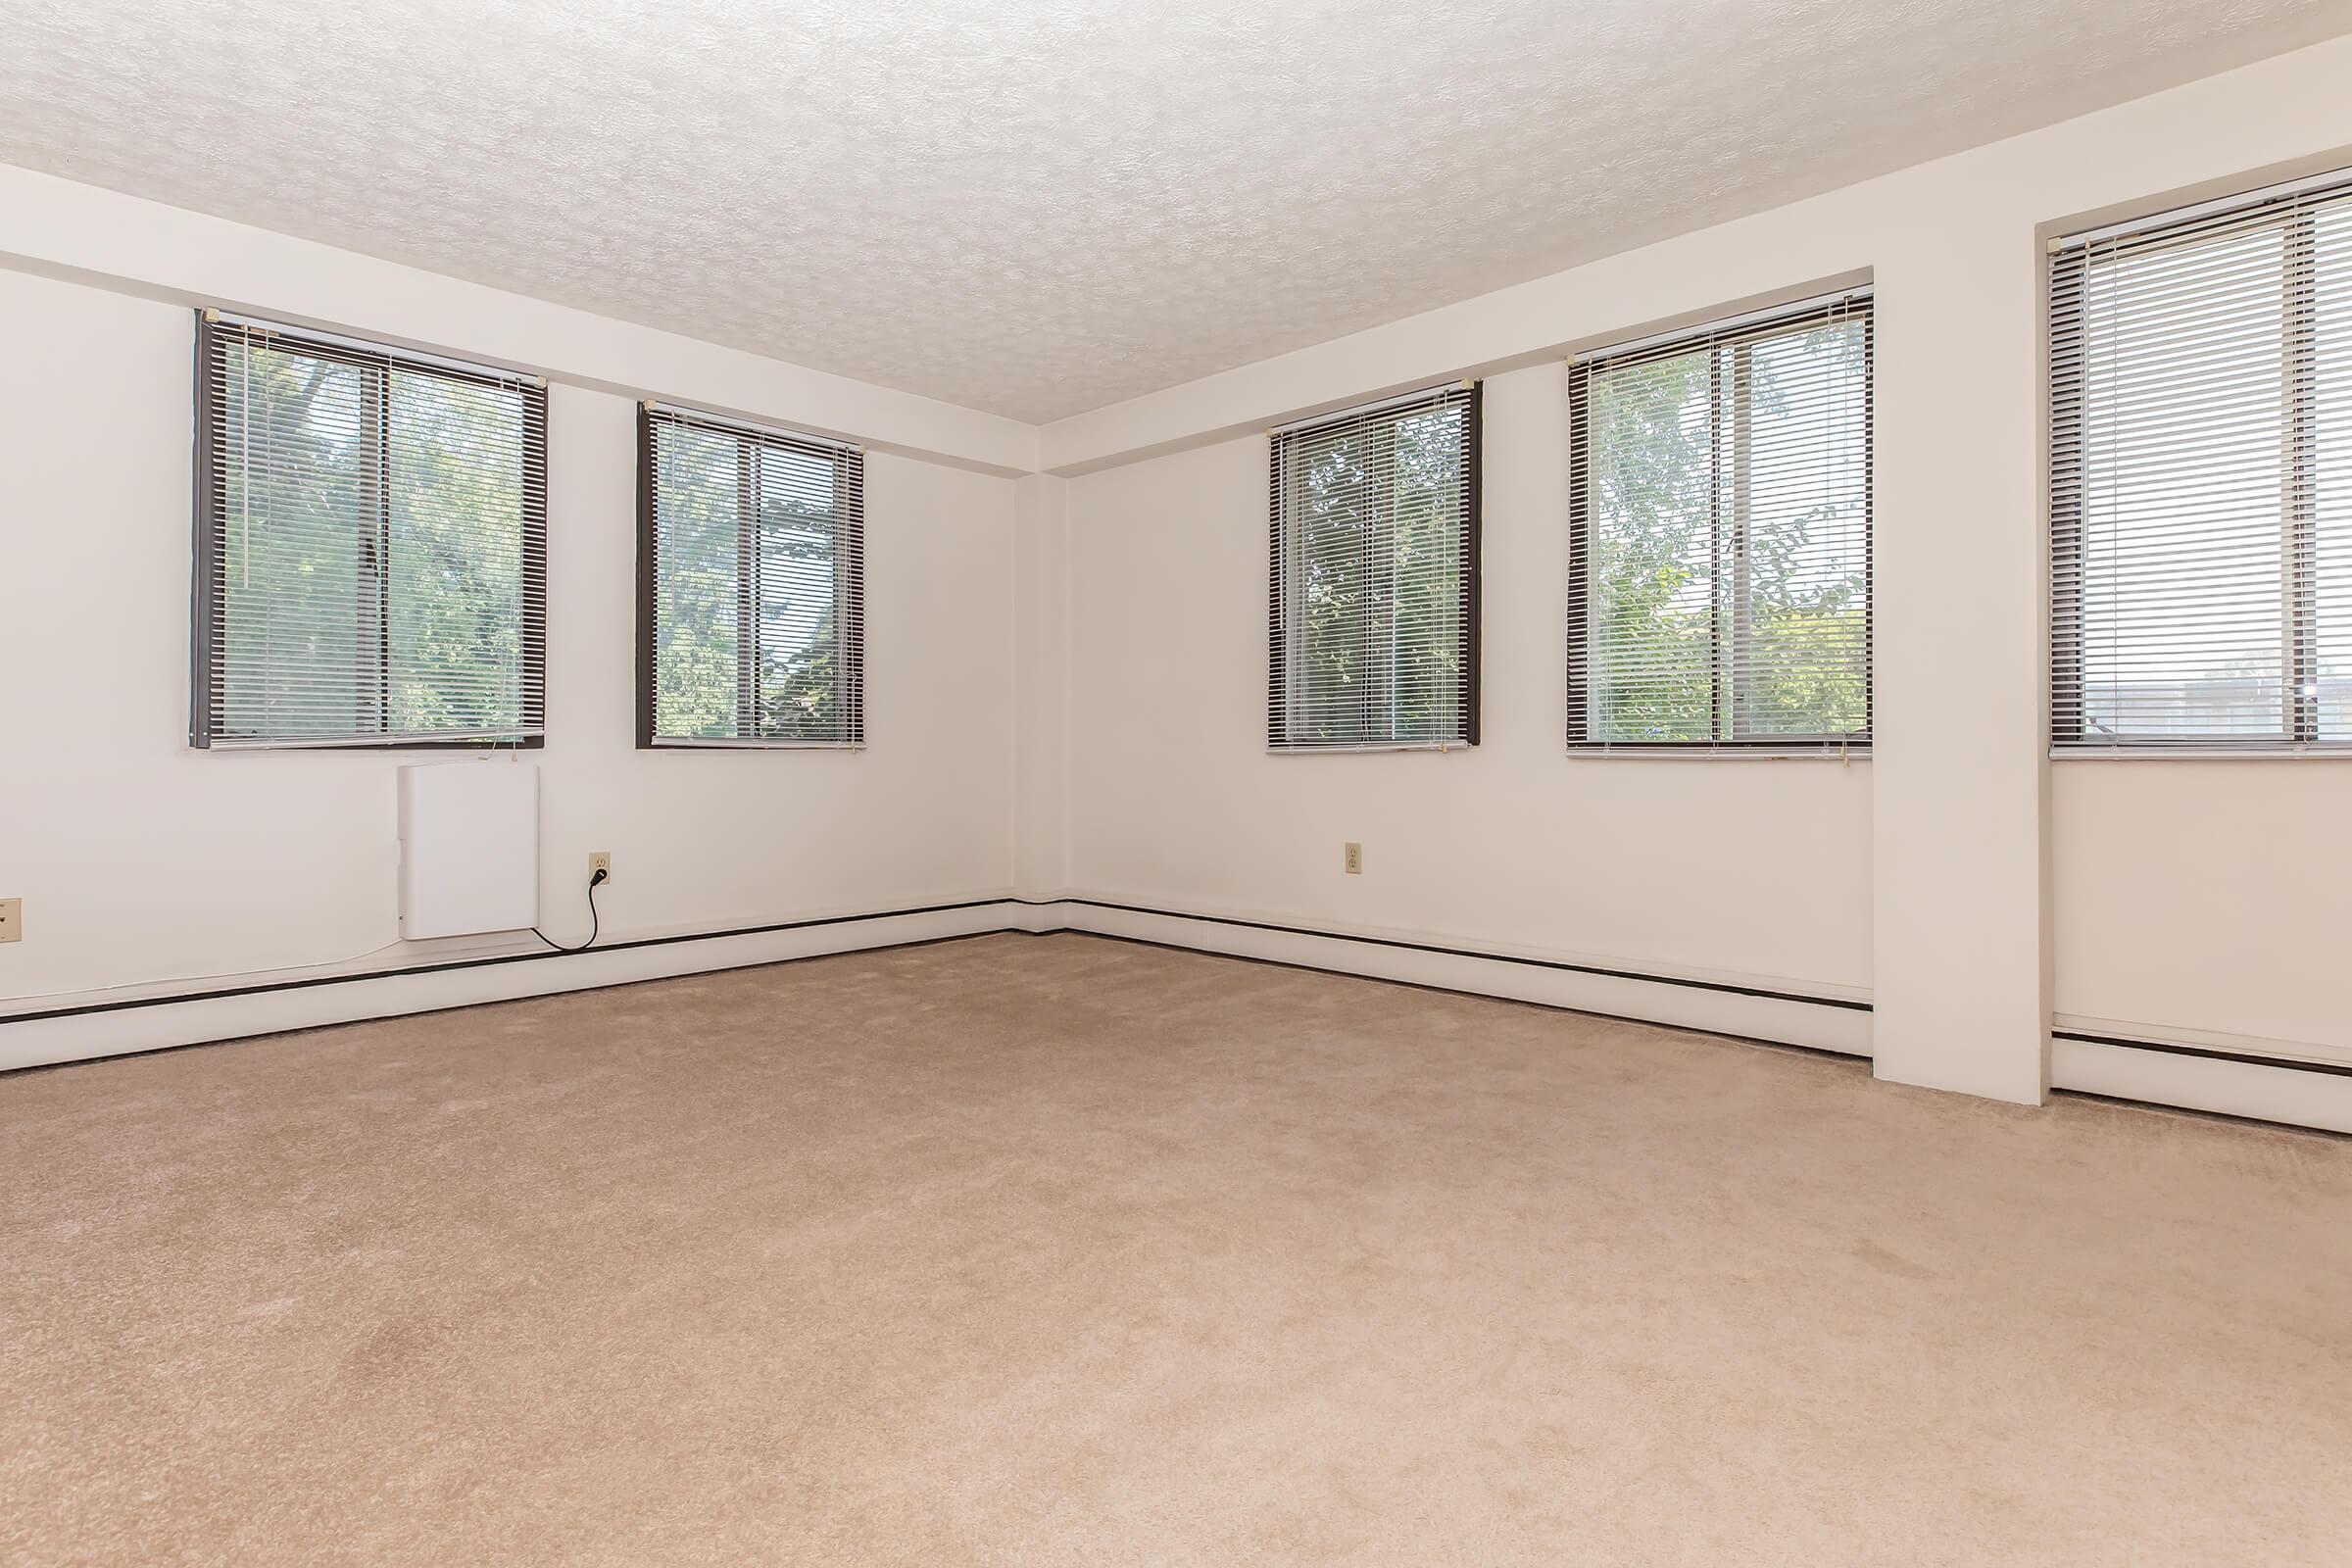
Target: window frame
<point>1732,330</point>
<point>849,584</point>
<point>2074,251</point>
<point>209,499</point>
<point>1468,395</point>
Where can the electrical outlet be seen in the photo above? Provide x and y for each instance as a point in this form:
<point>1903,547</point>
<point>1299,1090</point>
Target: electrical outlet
<point>1355,860</point>
<point>600,861</point>
<point>11,919</point>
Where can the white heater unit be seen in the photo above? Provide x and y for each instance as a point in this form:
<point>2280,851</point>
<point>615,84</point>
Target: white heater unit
<point>469,847</point>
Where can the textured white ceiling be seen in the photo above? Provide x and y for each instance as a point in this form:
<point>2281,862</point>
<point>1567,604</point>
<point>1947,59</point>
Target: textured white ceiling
<point>1037,206</point>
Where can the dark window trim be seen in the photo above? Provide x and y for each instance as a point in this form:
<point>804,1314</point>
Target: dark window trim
<point>1473,574</point>
<point>1470,657</point>
<point>1870,530</point>
<point>1580,552</point>
<point>207,582</point>
<point>648,575</point>
<point>849,589</point>
<point>534,584</point>
<point>1579,529</point>
<point>207,577</point>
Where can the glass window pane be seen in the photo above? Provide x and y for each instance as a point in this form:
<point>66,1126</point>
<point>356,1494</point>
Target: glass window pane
<point>1803,487</point>
<point>800,602</point>
<point>1651,635</point>
<point>455,554</point>
<point>696,676</point>
<point>1372,539</point>
<point>370,533</point>
<point>2183,631</point>
<point>1423,559</point>
<point>297,437</point>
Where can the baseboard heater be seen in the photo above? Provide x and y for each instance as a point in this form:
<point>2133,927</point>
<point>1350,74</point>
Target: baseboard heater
<point>2156,1071</point>
<point>405,972</point>
<point>2174,1047</point>
<point>117,1026</point>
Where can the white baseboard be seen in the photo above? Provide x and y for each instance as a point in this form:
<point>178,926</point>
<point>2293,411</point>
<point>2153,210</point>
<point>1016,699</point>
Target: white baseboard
<point>114,1029</point>
<point>2130,1031</point>
<point>2234,1086</point>
<point>108,1028</point>
<point>1039,916</point>
<point>2149,1071</point>
<point>1721,1006</point>
<point>2213,1080</point>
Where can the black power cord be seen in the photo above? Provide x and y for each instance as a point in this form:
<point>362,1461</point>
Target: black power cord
<point>593,883</point>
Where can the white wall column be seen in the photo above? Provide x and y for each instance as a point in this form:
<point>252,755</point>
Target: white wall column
<point>1041,685</point>
<point>1960,928</point>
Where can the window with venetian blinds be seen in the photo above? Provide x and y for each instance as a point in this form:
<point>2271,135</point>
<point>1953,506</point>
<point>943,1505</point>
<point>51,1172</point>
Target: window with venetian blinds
<point>1719,535</point>
<point>370,544</point>
<point>751,584</point>
<point>1372,614</point>
<point>2200,474</point>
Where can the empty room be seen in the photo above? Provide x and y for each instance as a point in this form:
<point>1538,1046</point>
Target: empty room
<point>1085,782</point>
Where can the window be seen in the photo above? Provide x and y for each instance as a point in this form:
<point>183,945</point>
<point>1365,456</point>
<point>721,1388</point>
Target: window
<point>370,544</point>
<point>1373,604</point>
<point>2200,472</point>
<point>1719,536</point>
<point>751,564</point>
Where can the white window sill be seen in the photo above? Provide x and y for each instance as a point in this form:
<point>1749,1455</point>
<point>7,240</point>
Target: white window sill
<point>1728,753</point>
<point>2201,754</point>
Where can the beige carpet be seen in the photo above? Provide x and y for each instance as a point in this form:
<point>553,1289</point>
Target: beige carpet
<point>1069,1251</point>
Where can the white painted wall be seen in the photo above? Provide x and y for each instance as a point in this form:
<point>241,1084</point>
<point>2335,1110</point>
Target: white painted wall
<point>1972,886</point>
<point>1754,871</point>
<point>1068,673</point>
<point>2205,898</point>
<point>140,860</point>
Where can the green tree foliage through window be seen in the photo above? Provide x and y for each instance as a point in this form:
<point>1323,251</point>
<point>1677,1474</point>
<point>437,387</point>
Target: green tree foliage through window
<point>454,582</point>
<point>370,544</point>
<point>758,587</point>
<point>1720,580</point>
<point>1373,577</point>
